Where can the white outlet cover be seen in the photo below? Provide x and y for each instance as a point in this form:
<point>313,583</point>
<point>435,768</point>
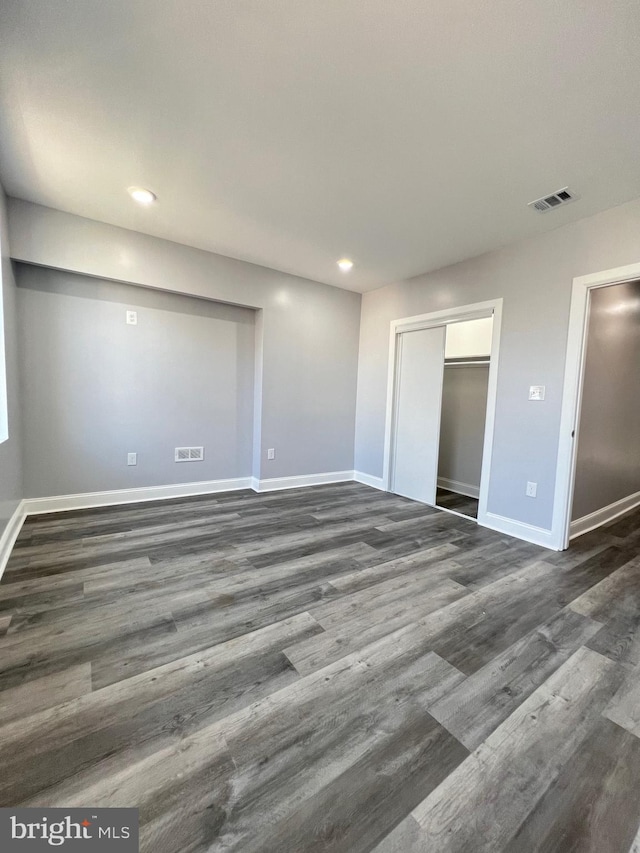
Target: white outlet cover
<point>271,453</point>
<point>536,392</point>
<point>132,318</point>
<point>532,490</point>
<point>132,458</point>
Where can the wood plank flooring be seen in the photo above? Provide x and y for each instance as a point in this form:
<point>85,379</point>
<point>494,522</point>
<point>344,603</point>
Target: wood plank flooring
<point>324,669</point>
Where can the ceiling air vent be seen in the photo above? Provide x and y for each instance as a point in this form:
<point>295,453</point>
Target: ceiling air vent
<point>189,454</point>
<point>563,196</point>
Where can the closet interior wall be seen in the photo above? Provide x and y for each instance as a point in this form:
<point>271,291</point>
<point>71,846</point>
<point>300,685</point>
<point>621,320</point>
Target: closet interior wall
<point>464,406</point>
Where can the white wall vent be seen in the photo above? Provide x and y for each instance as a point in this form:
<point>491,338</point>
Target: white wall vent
<point>548,202</point>
<point>189,454</point>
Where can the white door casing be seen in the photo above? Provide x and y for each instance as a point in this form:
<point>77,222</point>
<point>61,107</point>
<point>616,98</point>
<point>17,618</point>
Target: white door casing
<point>572,394</point>
<point>440,318</point>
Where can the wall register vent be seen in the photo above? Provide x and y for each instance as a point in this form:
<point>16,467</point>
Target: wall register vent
<point>189,454</point>
<point>548,202</point>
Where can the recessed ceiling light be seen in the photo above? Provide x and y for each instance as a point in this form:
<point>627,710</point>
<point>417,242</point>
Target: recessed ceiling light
<point>345,264</point>
<point>141,195</point>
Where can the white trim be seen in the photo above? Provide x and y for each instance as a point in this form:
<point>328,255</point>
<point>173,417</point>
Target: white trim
<point>459,488</point>
<point>256,454</point>
<point>617,275</point>
<point>63,503</point>
<point>602,516</point>
<point>521,530</point>
<point>369,480</point>
<point>276,483</point>
<point>474,311</point>
<point>492,396</point>
<point>10,534</point>
<point>492,307</point>
<point>572,393</point>
<point>4,399</point>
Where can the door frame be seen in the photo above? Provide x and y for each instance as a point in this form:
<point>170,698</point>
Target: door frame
<point>475,311</point>
<point>572,394</point>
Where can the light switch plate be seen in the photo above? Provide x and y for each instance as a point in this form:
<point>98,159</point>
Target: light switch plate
<point>536,392</point>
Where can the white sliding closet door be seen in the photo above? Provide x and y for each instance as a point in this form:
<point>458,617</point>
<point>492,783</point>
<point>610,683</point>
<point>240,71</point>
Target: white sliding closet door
<point>418,402</point>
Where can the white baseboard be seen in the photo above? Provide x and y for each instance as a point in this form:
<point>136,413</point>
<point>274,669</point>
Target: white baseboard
<point>369,480</point>
<point>519,529</point>
<point>276,483</point>
<point>602,516</point>
<point>10,534</point>
<point>459,488</point>
<point>61,503</point>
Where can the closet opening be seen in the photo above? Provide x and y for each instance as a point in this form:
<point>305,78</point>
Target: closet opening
<point>465,387</point>
<point>441,400</point>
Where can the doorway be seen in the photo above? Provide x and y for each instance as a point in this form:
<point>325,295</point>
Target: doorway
<point>599,456</point>
<point>441,406</point>
<point>607,464</point>
<point>465,386</point>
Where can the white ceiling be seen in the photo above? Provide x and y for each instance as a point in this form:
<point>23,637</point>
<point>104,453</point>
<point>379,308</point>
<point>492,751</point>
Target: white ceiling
<point>405,134</point>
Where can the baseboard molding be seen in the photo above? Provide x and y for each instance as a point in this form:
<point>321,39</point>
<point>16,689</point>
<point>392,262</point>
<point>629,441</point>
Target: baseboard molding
<point>63,503</point>
<point>369,480</point>
<point>601,516</point>
<point>277,483</point>
<point>10,534</point>
<point>459,488</point>
<point>519,529</point>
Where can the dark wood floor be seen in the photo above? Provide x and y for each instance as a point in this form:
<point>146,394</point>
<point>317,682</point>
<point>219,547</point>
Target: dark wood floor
<point>329,669</point>
<point>459,503</point>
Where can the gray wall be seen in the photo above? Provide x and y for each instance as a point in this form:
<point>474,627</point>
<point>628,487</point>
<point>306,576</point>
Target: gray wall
<point>464,409</point>
<point>307,367</point>
<point>10,451</point>
<point>608,461</point>
<point>534,277</point>
<point>95,388</point>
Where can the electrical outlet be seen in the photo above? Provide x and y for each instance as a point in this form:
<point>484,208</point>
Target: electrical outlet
<point>271,453</point>
<point>532,490</point>
<point>132,458</point>
<point>132,318</point>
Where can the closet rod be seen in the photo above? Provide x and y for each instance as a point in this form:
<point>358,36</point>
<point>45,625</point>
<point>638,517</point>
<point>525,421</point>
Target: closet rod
<point>466,363</point>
